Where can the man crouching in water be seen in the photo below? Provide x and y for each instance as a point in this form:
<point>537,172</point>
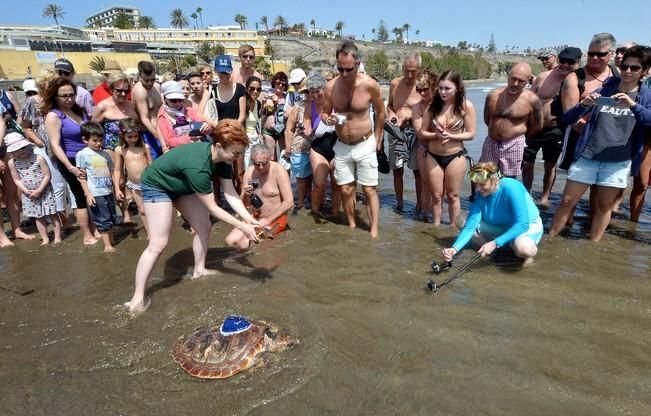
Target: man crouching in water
<point>267,192</point>
<point>350,95</point>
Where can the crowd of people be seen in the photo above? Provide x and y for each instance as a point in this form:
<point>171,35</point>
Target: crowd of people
<point>178,145</point>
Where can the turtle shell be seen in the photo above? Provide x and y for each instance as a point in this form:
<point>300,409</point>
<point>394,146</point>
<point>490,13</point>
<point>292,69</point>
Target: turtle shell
<point>206,353</point>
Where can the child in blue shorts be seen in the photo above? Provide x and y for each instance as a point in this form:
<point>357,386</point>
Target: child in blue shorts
<point>98,185</point>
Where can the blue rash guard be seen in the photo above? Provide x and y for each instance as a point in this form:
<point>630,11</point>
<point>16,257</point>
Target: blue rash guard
<point>509,207</point>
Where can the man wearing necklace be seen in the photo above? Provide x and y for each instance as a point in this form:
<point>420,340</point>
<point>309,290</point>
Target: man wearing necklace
<point>582,82</point>
<point>511,114</point>
<point>611,142</point>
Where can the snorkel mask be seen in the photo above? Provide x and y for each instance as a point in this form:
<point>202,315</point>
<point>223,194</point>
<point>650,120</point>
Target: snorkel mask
<point>482,174</point>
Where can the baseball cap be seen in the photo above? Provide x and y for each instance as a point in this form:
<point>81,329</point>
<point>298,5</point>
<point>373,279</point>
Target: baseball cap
<point>29,85</point>
<point>16,141</point>
<point>172,90</point>
<point>297,75</point>
<point>223,64</point>
<point>62,64</point>
<point>570,53</point>
<point>546,54</point>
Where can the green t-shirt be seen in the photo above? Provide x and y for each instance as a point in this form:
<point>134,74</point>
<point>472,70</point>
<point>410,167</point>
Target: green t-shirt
<point>186,170</point>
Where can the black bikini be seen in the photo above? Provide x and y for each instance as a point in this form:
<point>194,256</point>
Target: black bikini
<point>444,161</point>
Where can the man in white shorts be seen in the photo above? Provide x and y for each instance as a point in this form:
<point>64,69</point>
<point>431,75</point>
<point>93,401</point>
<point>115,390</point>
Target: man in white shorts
<point>350,95</point>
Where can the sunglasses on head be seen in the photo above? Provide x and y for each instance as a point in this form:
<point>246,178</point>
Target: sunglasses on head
<point>129,131</point>
<point>254,89</point>
<point>566,61</point>
<point>481,175</point>
<point>633,68</point>
<point>342,70</point>
<point>598,54</point>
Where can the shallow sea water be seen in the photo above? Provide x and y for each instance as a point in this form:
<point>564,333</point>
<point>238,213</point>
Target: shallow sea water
<point>566,335</point>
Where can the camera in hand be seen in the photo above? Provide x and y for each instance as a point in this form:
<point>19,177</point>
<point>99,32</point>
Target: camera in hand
<point>254,183</point>
<point>196,128</point>
<point>256,201</point>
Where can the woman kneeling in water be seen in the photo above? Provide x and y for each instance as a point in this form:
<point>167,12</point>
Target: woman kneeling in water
<point>503,213</point>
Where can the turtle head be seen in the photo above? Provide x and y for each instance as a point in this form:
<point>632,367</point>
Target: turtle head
<point>277,342</point>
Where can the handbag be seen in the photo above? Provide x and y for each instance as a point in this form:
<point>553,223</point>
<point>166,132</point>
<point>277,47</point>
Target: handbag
<point>383,162</point>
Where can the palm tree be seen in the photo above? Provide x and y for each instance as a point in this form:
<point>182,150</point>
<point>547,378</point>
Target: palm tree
<point>339,27</point>
<point>123,21</point>
<point>281,22</point>
<point>178,19</point>
<point>265,21</point>
<point>146,22</point>
<point>199,11</point>
<point>313,24</point>
<point>195,16</point>
<point>398,32</point>
<point>417,33</point>
<point>54,11</point>
<point>373,32</point>
<point>406,28</point>
<point>97,64</point>
<point>300,27</point>
<point>241,20</point>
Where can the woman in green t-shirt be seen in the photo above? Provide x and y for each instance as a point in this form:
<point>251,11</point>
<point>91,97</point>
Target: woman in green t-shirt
<point>182,179</point>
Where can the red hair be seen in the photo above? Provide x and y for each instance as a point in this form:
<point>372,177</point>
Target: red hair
<point>229,132</point>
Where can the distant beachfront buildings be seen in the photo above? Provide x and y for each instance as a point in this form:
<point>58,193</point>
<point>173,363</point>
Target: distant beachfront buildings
<point>107,17</point>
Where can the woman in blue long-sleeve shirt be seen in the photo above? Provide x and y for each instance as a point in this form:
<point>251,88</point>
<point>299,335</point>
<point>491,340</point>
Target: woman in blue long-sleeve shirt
<point>503,213</point>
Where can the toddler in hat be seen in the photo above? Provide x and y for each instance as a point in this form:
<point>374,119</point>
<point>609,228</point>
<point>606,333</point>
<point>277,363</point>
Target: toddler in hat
<point>32,175</point>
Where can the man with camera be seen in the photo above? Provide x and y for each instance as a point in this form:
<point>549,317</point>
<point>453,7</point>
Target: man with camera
<point>268,196</point>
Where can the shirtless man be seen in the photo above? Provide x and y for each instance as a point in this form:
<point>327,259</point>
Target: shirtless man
<point>247,62</point>
<point>511,114</point>
<point>270,183</point>
<point>548,60</point>
<point>547,86</point>
<point>581,83</point>
<point>350,95</point>
<point>402,97</point>
<point>148,100</point>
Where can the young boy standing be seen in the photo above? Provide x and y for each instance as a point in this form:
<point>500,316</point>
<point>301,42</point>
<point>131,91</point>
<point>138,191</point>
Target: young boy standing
<point>98,185</point>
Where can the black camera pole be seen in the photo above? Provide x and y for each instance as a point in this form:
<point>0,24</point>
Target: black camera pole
<point>432,286</point>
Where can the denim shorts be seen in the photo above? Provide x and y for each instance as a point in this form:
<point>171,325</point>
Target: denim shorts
<point>103,213</point>
<point>153,194</point>
<point>595,172</point>
<point>301,166</point>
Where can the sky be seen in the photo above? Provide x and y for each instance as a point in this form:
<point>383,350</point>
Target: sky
<point>524,24</point>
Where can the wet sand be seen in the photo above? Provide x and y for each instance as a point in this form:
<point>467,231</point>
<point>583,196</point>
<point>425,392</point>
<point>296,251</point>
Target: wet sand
<point>566,335</point>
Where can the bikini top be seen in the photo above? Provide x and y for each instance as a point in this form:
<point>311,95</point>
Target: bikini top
<point>457,125</point>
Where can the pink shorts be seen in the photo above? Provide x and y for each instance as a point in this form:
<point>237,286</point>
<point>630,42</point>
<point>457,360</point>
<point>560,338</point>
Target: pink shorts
<point>506,153</point>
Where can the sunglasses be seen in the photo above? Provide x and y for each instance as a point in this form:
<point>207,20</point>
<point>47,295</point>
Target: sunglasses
<point>544,59</point>
<point>248,56</point>
<point>599,54</point>
<point>175,100</point>
<point>633,68</point>
<point>422,90</point>
<point>620,51</point>
<point>281,83</point>
<point>480,176</point>
<point>206,72</point>
<point>64,73</point>
<point>67,96</point>
<point>254,89</point>
<point>261,164</point>
<point>567,61</point>
<point>342,70</point>
<point>123,91</point>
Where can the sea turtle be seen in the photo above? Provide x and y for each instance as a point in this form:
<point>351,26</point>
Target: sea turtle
<point>210,352</point>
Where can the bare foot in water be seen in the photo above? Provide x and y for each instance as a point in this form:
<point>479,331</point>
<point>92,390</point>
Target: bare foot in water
<point>138,308</point>
<point>5,242</point>
<point>204,273</point>
<point>45,243</point>
<point>110,250</point>
<point>90,241</point>
<point>23,235</point>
